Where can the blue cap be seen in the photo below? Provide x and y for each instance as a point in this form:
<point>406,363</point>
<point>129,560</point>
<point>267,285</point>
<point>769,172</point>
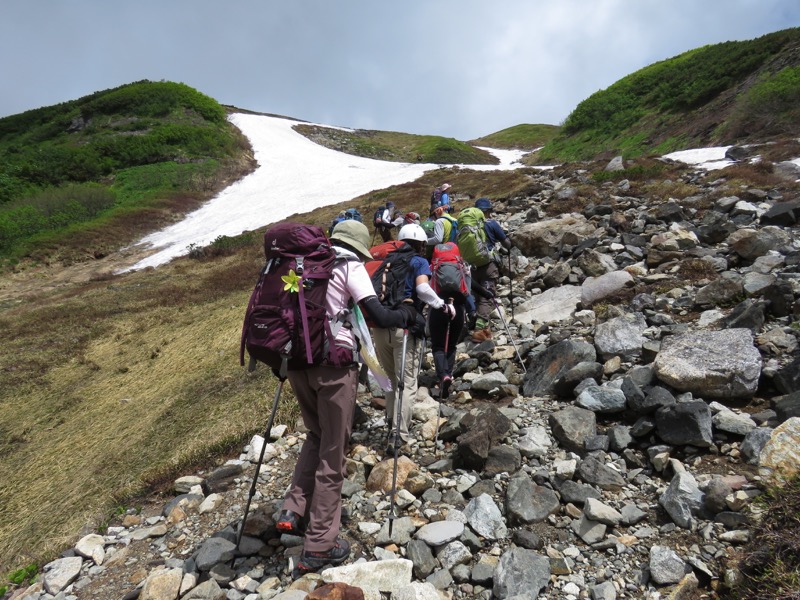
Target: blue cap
<point>483,204</point>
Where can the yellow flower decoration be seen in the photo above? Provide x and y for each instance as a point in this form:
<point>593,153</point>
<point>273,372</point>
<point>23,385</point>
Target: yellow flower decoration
<point>292,281</point>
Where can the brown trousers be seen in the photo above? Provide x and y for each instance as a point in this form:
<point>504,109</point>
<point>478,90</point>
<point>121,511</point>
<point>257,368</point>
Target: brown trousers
<point>327,397</point>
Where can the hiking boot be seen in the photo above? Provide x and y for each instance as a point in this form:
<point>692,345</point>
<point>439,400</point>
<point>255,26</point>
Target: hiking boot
<point>447,381</point>
<point>481,335</point>
<point>311,562</point>
<point>290,523</point>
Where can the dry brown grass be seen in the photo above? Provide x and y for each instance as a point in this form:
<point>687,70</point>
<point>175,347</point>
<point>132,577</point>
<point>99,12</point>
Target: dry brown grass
<point>770,562</point>
<point>759,174</point>
<point>692,270</point>
<point>114,386</point>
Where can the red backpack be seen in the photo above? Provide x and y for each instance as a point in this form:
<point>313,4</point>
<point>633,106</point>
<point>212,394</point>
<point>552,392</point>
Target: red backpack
<point>286,314</point>
<point>383,250</point>
<point>450,274</point>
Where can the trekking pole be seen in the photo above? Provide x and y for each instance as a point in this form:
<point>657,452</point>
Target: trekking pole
<point>441,387</point>
<point>398,401</point>
<point>510,285</point>
<point>422,354</point>
<point>284,362</point>
<point>508,331</point>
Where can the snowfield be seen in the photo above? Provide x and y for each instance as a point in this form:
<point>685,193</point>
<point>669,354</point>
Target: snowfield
<point>294,175</point>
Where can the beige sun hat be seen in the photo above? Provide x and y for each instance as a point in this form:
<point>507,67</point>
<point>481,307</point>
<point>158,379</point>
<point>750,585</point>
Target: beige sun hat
<point>355,235</point>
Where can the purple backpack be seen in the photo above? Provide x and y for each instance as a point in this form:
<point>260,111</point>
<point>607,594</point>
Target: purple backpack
<point>286,314</point>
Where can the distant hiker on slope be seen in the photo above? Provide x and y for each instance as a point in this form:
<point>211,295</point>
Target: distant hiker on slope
<point>440,197</point>
<point>327,396</point>
<point>350,213</point>
<point>384,221</point>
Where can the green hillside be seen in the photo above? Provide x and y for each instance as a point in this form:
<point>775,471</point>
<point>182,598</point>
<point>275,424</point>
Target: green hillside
<point>522,137</point>
<point>397,147</point>
<point>69,170</point>
<point>719,94</point>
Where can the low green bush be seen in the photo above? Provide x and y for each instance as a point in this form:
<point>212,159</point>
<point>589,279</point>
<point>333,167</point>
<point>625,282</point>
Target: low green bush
<point>52,209</point>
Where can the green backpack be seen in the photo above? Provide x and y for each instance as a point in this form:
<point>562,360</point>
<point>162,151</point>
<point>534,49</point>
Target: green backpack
<point>472,241</point>
<point>428,226</point>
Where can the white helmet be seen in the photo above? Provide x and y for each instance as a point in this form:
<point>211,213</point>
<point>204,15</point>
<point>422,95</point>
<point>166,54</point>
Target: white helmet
<point>412,231</point>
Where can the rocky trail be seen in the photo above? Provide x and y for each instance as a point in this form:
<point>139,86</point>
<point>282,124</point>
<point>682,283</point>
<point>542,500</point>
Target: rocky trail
<point>661,393</point>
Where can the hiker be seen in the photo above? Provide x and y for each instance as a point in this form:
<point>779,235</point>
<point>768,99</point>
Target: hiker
<point>445,227</point>
<point>385,221</point>
<point>411,218</point>
<point>344,215</point>
<point>440,197</point>
<point>451,280</point>
<point>389,342</point>
<point>327,395</point>
<point>486,276</point>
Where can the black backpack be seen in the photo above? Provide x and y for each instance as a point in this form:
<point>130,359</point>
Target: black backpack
<point>389,275</point>
<point>377,219</point>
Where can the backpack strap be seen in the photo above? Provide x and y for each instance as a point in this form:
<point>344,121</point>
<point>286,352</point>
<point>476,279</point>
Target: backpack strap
<point>303,311</point>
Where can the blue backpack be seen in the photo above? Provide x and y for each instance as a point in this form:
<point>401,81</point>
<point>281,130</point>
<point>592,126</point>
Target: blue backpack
<point>349,214</point>
<point>453,229</point>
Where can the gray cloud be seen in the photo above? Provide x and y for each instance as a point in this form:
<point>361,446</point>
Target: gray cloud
<point>460,68</point>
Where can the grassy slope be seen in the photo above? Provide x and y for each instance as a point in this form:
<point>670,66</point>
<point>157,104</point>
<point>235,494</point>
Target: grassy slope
<point>398,147</point>
<point>717,94</point>
<point>523,137</point>
<point>71,171</point>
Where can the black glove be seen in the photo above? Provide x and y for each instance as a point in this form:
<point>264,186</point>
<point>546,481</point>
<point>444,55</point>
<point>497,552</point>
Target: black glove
<point>409,315</point>
<point>417,329</point>
<point>363,374</point>
<point>482,291</point>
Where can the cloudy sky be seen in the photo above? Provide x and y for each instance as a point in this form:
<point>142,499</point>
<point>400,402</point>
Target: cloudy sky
<point>458,68</point>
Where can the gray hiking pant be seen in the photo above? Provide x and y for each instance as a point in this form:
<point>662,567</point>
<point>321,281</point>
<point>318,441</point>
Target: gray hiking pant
<point>487,276</point>
<point>389,349</point>
<point>327,397</point>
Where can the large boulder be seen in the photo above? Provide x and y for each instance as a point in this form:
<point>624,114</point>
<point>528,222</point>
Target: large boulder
<point>553,305</point>
<point>546,238</point>
<point>752,243</point>
<point>710,364</point>
<point>780,457</point>
<point>622,336</point>
<point>595,289</point>
<point>548,366</point>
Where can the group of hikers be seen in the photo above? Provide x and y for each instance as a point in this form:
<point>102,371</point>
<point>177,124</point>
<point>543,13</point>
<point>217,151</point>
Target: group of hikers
<point>388,302</point>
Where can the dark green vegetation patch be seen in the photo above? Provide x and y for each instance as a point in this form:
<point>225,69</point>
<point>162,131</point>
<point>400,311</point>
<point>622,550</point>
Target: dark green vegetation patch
<point>717,94</point>
<point>70,165</point>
